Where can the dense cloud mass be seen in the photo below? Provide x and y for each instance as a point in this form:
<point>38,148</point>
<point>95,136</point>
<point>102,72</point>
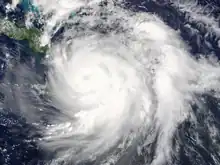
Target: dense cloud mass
<point>122,83</point>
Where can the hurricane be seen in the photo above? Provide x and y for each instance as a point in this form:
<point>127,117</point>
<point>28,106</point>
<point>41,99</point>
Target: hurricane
<point>119,83</point>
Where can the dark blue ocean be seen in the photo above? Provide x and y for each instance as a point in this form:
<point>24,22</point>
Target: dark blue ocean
<point>16,144</point>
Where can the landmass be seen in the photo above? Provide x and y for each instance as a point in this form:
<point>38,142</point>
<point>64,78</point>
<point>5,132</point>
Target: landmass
<point>20,32</point>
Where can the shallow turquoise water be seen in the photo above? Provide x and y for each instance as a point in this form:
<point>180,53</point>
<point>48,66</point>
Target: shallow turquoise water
<point>28,6</point>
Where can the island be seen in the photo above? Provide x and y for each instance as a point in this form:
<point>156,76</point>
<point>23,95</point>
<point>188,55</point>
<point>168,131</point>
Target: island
<point>18,31</point>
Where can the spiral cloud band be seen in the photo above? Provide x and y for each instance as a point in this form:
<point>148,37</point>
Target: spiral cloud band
<point>121,89</point>
<point>106,96</point>
<point>118,85</point>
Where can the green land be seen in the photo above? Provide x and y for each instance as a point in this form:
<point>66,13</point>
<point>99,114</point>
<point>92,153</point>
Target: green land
<point>20,32</point>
